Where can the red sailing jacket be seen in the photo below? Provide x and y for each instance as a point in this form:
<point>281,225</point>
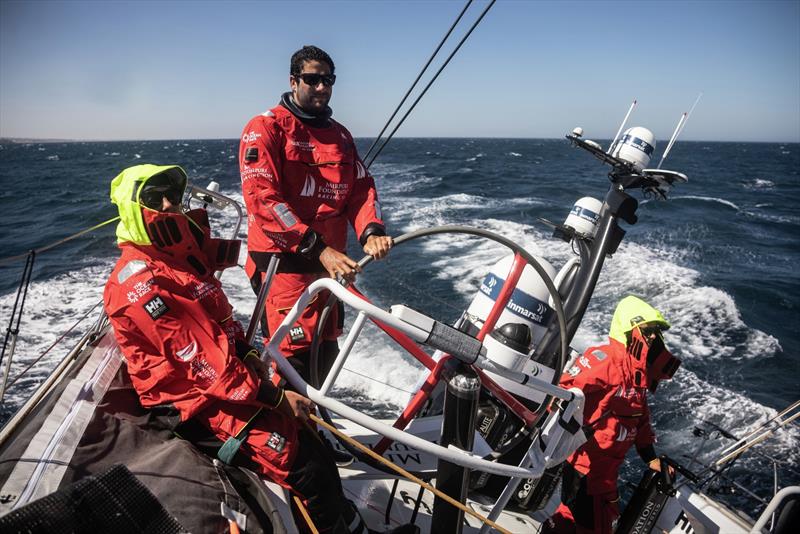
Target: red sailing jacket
<point>175,328</point>
<point>616,411</point>
<point>296,177</point>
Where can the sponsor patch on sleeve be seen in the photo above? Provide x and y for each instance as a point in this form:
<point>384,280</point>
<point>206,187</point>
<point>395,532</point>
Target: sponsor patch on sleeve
<point>156,307</point>
<point>251,154</point>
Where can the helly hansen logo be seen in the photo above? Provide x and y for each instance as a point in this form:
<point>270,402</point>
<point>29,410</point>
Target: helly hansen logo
<point>297,333</point>
<point>276,442</point>
<point>155,307</point>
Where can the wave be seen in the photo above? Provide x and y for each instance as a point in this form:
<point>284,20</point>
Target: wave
<point>759,183</point>
<point>722,201</point>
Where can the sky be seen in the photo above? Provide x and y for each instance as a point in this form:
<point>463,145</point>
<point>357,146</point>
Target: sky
<point>195,70</point>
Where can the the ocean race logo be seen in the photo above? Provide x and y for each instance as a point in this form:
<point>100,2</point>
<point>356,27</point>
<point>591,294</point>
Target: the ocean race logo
<point>250,137</point>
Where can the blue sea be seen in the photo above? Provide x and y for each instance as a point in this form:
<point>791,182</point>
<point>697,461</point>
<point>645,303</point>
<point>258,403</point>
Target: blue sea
<point>720,258</point>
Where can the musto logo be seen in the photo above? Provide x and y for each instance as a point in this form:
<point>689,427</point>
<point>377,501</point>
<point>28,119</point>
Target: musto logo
<point>520,303</point>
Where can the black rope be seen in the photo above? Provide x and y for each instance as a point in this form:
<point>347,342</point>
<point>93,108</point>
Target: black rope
<point>403,101</point>
<point>22,290</point>
<point>425,90</point>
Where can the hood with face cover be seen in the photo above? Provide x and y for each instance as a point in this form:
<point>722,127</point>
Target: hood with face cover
<point>125,190</point>
<point>182,239</point>
<point>651,355</point>
<point>630,313</point>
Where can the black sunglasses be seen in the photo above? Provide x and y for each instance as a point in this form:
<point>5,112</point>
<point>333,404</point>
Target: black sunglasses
<point>313,79</point>
<point>151,196</point>
<point>648,331</point>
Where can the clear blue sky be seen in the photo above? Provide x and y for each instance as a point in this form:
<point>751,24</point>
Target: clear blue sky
<point>168,70</point>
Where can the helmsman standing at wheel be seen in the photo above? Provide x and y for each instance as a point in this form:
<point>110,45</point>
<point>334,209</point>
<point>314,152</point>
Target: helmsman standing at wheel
<point>303,182</point>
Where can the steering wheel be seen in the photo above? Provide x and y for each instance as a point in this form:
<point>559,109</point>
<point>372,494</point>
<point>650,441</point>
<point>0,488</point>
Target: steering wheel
<point>522,258</point>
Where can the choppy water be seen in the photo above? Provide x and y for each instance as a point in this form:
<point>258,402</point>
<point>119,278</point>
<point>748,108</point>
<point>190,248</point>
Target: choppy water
<point>719,259</point>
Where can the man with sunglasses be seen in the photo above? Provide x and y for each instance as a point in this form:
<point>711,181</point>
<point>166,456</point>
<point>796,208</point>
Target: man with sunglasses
<point>303,183</point>
<point>187,355</point>
<point>615,379</point>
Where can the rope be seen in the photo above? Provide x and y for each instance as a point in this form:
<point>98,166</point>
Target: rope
<point>407,475</point>
<point>378,381</point>
<point>59,242</point>
<point>305,515</point>
<point>403,101</point>
<point>425,90</point>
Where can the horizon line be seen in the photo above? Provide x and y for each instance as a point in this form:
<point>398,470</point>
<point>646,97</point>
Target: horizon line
<point>45,140</point>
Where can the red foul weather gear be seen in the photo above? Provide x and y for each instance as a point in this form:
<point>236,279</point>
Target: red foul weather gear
<point>616,416</point>
<point>176,331</point>
<point>302,185</point>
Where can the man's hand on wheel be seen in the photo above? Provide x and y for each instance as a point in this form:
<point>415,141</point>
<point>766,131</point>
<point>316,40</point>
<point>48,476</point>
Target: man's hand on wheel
<point>338,264</point>
<point>378,246</point>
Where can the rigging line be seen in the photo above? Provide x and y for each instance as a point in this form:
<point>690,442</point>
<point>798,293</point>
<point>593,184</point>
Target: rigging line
<point>435,76</point>
<point>13,331</point>
<point>59,242</point>
<point>403,101</point>
<point>378,381</point>
<point>56,342</point>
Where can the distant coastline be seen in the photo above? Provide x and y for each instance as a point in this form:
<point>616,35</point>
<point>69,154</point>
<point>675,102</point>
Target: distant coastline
<point>26,140</point>
<point>29,140</point>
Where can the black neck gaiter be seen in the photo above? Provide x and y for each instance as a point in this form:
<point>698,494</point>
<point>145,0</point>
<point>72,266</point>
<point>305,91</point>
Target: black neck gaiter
<point>315,121</point>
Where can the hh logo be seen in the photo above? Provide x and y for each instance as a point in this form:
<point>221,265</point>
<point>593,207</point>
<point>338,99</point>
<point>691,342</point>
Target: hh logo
<point>297,333</point>
<point>155,307</point>
<point>276,442</point>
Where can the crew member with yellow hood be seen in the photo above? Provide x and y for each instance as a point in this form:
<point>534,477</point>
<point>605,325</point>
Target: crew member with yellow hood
<point>175,328</point>
<point>615,379</point>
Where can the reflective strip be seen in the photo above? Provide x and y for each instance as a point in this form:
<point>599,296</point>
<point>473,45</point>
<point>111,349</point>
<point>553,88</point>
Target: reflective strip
<point>284,216</point>
<point>131,268</point>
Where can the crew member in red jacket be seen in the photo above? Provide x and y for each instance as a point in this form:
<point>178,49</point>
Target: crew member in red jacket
<point>303,182</point>
<point>183,348</point>
<point>615,379</point>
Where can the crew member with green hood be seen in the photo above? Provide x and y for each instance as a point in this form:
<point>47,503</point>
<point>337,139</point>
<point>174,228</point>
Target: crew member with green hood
<point>175,328</point>
<point>615,379</point>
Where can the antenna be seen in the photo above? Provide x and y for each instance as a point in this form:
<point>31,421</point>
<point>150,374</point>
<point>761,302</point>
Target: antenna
<point>674,136</point>
<point>678,129</point>
<point>621,126</point>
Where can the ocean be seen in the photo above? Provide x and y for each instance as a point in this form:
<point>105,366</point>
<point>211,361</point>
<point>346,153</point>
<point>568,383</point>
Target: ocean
<point>720,258</point>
